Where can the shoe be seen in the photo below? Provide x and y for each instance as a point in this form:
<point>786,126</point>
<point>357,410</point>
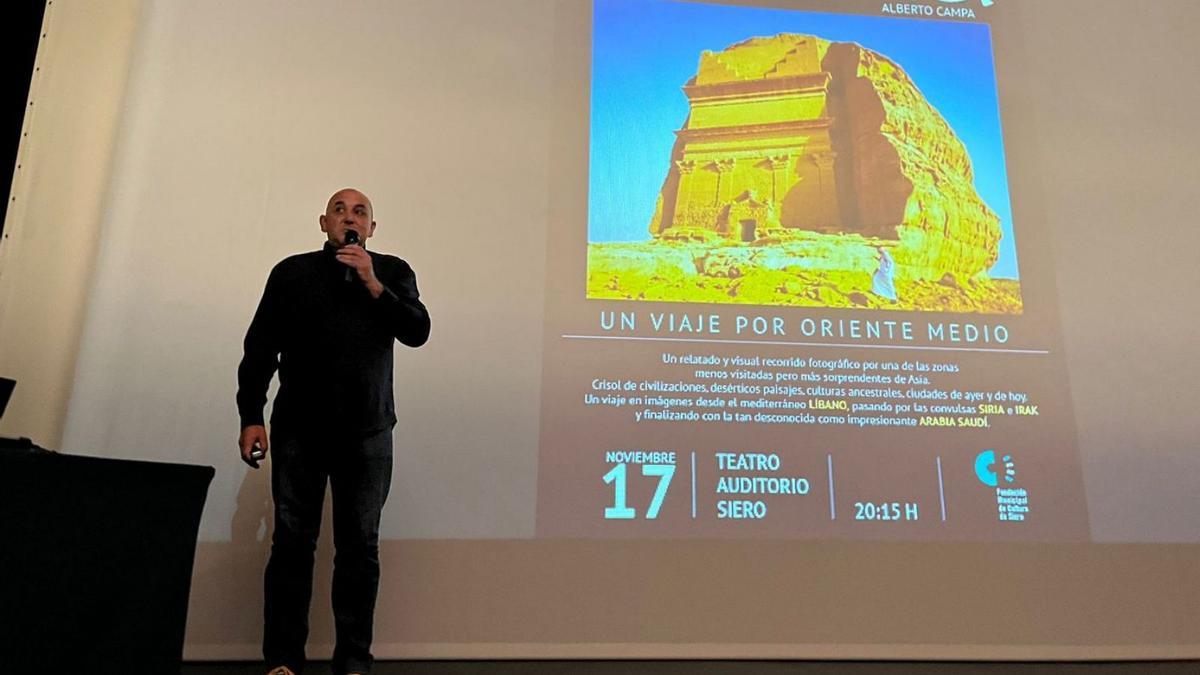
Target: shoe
<point>281,670</point>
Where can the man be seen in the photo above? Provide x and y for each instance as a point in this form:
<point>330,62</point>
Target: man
<point>327,321</point>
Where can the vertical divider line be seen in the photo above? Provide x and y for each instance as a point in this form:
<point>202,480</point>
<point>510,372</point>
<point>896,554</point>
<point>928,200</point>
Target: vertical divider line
<point>693,485</point>
<point>941,488</point>
<point>832,506</point>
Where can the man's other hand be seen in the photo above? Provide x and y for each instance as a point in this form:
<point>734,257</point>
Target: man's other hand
<point>253,444</point>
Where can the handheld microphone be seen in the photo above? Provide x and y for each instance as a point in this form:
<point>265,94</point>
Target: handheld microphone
<point>351,238</point>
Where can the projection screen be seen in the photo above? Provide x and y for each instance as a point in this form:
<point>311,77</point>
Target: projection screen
<point>772,329</point>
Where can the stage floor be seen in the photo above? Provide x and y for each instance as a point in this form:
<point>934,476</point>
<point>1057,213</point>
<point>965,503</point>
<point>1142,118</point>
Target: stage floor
<point>723,668</point>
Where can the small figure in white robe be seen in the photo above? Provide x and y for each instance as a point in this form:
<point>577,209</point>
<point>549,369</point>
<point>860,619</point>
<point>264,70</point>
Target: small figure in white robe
<point>883,281</point>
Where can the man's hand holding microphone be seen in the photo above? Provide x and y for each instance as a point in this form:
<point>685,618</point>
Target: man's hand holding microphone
<point>354,256</point>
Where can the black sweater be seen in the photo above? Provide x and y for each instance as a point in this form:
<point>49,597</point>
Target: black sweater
<point>331,342</point>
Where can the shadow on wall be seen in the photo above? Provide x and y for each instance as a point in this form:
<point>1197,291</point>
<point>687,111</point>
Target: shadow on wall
<point>233,572</point>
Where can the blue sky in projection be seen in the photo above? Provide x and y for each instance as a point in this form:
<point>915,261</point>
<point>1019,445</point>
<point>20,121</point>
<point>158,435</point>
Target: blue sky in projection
<point>643,51</point>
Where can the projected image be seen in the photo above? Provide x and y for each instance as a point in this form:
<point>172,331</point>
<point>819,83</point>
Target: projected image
<point>779,157</point>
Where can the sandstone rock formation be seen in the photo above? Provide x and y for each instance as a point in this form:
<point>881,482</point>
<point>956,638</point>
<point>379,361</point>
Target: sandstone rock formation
<point>793,133</point>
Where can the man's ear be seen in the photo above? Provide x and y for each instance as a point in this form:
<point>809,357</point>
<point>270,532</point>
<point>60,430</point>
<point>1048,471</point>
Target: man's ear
<point>372,232</point>
<point>322,221</point>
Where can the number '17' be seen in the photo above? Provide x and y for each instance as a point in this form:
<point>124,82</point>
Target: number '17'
<point>616,476</point>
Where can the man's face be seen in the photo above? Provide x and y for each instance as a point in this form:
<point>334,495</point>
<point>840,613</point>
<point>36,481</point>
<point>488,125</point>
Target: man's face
<point>348,210</point>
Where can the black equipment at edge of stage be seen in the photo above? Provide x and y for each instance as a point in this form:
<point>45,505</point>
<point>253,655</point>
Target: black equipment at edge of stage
<point>96,559</point>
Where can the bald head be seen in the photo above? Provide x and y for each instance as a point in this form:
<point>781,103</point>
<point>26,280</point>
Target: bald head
<point>348,209</point>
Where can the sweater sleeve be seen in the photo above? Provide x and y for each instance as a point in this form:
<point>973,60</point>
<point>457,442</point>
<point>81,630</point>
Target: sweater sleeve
<point>405,314</point>
<point>260,355</point>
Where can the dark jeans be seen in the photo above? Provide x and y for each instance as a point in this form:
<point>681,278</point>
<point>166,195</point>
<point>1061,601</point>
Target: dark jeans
<point>359,472</point>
